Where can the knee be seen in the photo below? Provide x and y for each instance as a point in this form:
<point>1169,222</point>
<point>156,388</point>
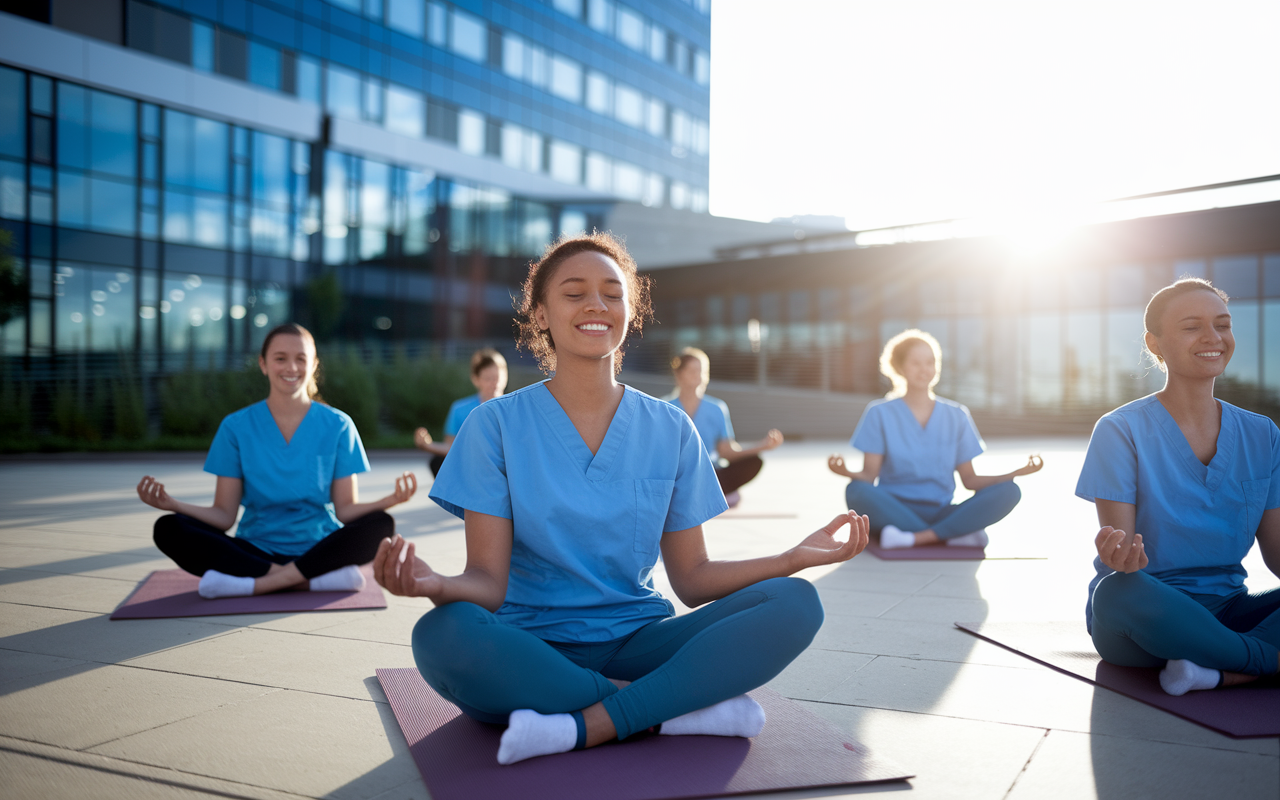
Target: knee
<point>856,493</point>
<point>440,637</point>
<point>1007,492</point>
<point>1117,601</point>
<point>165,531</point>
<point>802,608</point>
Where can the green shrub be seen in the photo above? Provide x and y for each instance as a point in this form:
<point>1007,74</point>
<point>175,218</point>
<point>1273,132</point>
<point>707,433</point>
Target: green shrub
<point>193,402</point>
<point>419,393</point>
<point>348,384</point>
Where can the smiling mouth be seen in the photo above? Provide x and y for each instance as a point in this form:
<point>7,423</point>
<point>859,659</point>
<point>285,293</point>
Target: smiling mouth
<point>593,326</point>
<point>1209,354</point>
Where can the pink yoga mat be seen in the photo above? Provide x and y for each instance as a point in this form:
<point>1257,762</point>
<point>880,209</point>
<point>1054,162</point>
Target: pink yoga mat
<point>457,756</point>
<point>1242,712</point>
<point>172,593</point>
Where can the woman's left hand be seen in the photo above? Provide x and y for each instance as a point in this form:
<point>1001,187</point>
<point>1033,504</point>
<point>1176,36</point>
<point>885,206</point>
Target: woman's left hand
<point>821,547</point>
<point>406,486</point>
<point>771,439</point>
<point>1034,464</point>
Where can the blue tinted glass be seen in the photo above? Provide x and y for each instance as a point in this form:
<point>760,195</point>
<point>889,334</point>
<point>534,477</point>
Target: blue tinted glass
<point>150,121</point>
<point>177,216</point>
<point>209,220</point>
<point>41,95</point>
<point>113,142</point>
<point>13,113</point>
<point>202,47</point>
<point>150,162</point>
<point>344,51</point>
<point>72,123</point>
<point>210,153</point>
<point>271,170</point>
<point>177,148</point>
<point>1236,275</point>
<point>308,79</point>
<point>264,65</point>
<point>13,190</point>
<point>112,205</point>
<point>234,14</point>
<point>72,199</point>
<point>1271,282</point>
<point>407,16</point>
<point>274,26</point>
<point>343,93</point>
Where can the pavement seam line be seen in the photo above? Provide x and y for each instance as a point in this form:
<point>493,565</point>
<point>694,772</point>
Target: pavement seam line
<point>1026,764</point>
<point>248,683</point>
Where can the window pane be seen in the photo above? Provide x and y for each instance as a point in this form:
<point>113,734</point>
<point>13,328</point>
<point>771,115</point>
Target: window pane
<point>656,117</point>
<point>112,206</point>
<point>702,68</point>
<point>630,106</point>
<point>1245,325</point>
<point>73,199</point>
<point>599,172</point>
<point>566,79</point>
<point>209,155</point>
<point>13,113</point>
<point>512,145</point>
<point>271,170</point>
<point>681,129</point>
<point>470,132</point>
<point>13,190</point>
<point>114,138</point>
<point>373,99</point>
<point>202,47</point>
<point>194,309</point>
<point>628,181</point>
<point>513,56</point>
<point>600,15</point>
<point>599,93</point>
<point>264,65</point>
<point>657,43</point>
<point>631,28</point>
<point>1237,276</point>
<point>1271,344</point>
<point>406,111</point>
<point>73,123</point>
<point>343,95</point>
<point>437,24</point>
<point>571,7</point>
<point>566,162</point>
<point>469,36</point>
<point>308,79</point>
<point>407,16</point>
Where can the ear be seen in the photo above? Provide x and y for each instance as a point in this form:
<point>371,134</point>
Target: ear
<point>262,364</point>
<point>540,317</point>
<point>1153,344</point>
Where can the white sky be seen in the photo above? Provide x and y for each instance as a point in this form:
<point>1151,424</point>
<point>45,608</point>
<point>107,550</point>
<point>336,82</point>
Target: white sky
<point>888,112</point>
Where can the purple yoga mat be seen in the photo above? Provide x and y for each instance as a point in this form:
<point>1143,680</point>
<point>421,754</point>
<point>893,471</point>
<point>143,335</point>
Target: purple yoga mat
<point>1242,712</point>
<point>457,756</point>
<point>172,593</point>
<point>938,552</point>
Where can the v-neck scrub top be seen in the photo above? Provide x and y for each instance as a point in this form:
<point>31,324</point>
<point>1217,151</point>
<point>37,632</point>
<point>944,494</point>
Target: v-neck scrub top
<point>1197,522</point>
<point>458,412</point>
<point>586,528</point>
<point>287,486</point>
<point>711,421</point>
<point>919,461</point>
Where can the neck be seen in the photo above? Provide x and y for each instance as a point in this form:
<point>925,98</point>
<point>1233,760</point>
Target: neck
<point>917,394</point>
<point>584,381</point>
<point>1189,396</point>
<point>282,403</point>
<point>688,395</point>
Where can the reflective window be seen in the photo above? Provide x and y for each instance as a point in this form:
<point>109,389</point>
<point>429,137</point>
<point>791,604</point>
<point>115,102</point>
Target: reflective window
<point>681,129</point>
<point>194,309</point>
<point>264,65</point>
<point>1271,276</point>
<point>13,189</point>
<point>406,111</point>
<point>1237,276</point>
<point>1246,364</point>
<point>1125,286</point>
<point>630,106</point>
<point>513,56</point>
<point>680,195</point>
<point>13,113</point>
<point>373,91</point>
<point>196,178</point>
<point>407,16</point>
<point>600,15</point>
<point>631,28</point>
<point>202,46</point>
<point>94,307</point>
<point>566,162</point>
<point>269,225</point>
<point>375,208</point>
<point>419,206</point>
<point>469,36</point>
<point>571,7</point>
<point>1126,369</point>
<point>342,95</point>
<point>599,92</point>
<point>628,181</point>
<point>566,79</point>
<point>656,117</point>
<point>1082,373</point>
<point>1270,336</point>
<point>599,172</point>
<point>308,79</point>
<point>657,42</point>
<point>1189,268</point>
<point>471,134</point>
<point>701,138</point>
<point>654,189</point>
<point>702,68</point>
<point>438,24</point>
<point>338,209</point>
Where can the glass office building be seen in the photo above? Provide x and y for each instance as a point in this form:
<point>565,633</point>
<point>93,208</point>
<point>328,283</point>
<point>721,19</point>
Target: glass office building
<point>1054,334</point>
<point>179,176</point>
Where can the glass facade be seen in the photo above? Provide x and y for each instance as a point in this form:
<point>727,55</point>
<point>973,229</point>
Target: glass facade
<point>1055,339</point>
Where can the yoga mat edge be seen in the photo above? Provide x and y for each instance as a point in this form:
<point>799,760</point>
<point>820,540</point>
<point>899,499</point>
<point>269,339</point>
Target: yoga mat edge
<point>171,593</point>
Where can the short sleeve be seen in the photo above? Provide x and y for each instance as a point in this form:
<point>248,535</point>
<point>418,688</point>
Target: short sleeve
<point>474,476</point>
<point>1273,495</point>
<point>1110,470</point>
<point>453,421</point>
<point>969,443</point>
<point>224,454</point>
<point>350,456</point>
<point>869,435</point>
<point>696,496</point>
<point>726,427</point>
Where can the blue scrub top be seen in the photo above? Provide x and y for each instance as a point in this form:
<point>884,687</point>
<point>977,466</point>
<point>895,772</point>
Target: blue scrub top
<point>711,421</point>
<point>458,412</point>
<point>919,462</point>
<point>286,486</point>
<point>1197,522</point>
<point>586,528</point>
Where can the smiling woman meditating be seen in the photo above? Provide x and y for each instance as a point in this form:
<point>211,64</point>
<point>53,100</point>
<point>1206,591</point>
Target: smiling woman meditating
<point>291,461</point>
<point>570,489</point>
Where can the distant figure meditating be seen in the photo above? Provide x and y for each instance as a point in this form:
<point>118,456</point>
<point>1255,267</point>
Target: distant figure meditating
<point>1184,484</point>
<point>570,489</point>
<point>692,371</point>
<point>489,376</point>
<point>292,462</point>
<point>914,442</point>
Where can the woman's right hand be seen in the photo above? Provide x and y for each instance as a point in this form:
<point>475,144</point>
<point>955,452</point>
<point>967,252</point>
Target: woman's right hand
<point>1120,551</point>
<point>836,465</point>
<point>421,438</point>
<point>153,494</point>
<point>399,571</point>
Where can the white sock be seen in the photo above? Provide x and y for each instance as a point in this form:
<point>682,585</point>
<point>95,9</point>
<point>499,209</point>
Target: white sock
<point>978,538</point>
<point>347,579</point>
<point>532,734</point>
<point>892,538</point>
<point>737,716</point>
<point>1180,676</point>
<point>216,584</point>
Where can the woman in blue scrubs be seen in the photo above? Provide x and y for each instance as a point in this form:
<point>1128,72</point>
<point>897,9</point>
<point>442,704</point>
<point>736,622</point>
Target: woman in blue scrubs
<point>1184,484</point>
<point>570,490</point>
<point>291,461</point>
<point>913,442</point>
<point>489,376</point>
<point>735,465</point>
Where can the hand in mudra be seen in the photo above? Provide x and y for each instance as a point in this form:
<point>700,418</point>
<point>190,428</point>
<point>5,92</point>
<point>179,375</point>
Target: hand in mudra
<point>821,547</point>
<point>1034,464</point>
<point>398,570</point>
<point>421,438</point>
<point>152,492</point>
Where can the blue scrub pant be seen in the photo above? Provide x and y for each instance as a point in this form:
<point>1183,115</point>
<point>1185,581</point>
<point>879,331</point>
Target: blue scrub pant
<point>677,665</point>
<point>1141,621</point>
<point>987,507</point>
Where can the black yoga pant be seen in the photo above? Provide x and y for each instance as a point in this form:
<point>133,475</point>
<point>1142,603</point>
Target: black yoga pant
<point>435,463</point>
<point>197,547</point>
<point>738,473</point>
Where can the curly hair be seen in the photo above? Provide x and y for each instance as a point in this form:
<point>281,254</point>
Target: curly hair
<point>539,342</point>
<point>1153,317</point>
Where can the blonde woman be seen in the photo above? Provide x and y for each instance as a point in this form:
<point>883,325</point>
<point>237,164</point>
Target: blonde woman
<point>913,442</point>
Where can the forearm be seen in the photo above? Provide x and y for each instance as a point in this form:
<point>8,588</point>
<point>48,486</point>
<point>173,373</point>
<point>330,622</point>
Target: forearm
<point>978,482</point>
<point>220,518</point>
<point>712,580</point>
<point>354,511</point>
<point>437,448</point>
<point>472,586</point>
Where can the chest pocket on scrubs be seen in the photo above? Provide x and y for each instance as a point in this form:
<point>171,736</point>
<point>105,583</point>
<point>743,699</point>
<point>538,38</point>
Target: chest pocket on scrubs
<point>1255,497</point>
<point>653,500</point>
